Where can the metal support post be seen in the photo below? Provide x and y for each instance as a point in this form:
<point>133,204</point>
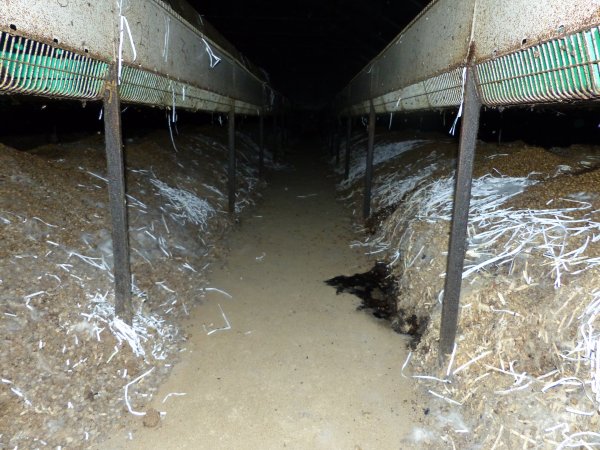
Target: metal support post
<point>369,167</point>
<point>261,144</point>
<point>348,148</point>
<point>232,162</point>
<point>116,197</point>
<point>460,215</point>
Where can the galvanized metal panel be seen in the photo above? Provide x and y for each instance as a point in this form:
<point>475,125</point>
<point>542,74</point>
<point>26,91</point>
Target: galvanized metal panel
<point>503,27</point>
<point>524,51</point>
<point>170,46</point>
<point>434,43</point>
<point>360,87</point>
<point>246,87</point>
<point>414,97</point>
<point>80,25</point>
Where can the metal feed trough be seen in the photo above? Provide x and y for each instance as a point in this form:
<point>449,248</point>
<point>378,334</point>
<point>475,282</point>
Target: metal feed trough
<point>147,52</point>
<point>471,53</point>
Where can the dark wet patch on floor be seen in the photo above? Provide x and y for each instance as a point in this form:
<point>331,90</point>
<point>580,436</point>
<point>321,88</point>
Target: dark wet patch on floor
<point>377,289</point>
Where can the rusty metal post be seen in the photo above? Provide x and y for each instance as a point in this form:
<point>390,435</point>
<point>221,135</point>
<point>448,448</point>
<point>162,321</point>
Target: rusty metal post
<point>348,148</point>
<point>261,145</point>
<point>460,215</point>
<point>232,162</point>
<point>116,197</point>
<point>369,166</point>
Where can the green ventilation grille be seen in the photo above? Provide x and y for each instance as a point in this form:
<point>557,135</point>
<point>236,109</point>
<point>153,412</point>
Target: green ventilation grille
<point>30,67</point>
<point>140,86</point>
<point>445,89</point>
<point>560,70</point>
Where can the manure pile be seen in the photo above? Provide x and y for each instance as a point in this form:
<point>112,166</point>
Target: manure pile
<point>525,372</point>
<point>71,371</point>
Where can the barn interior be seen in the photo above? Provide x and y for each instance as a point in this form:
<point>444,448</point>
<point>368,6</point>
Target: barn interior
<point>257,224</point>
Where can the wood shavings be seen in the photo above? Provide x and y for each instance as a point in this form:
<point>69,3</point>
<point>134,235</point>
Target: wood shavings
<point>449,400</point>
<point>225,328</point>
<point>186,205</point>
<point>472,361</point>
<point>220,291</point>
<point>173,394</point>
<point>126,393</point>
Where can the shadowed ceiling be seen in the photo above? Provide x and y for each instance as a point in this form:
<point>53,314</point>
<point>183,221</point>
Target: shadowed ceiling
<point>310,48</point>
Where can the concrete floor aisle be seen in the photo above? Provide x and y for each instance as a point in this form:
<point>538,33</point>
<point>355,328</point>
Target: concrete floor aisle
<point>300,367</point>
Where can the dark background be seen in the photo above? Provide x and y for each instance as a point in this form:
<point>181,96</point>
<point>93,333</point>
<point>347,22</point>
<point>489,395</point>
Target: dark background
<point>310,48</point>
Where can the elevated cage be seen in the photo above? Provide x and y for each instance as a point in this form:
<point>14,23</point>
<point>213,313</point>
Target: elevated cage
<point>49,50</point>
<point>146,52</point>
<point>470,54</point>
<point>523,52</point>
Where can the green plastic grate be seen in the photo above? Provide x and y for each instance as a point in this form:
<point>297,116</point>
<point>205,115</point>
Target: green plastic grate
<point>565,69</point>
<point>30,67</point>
<point>445,89</point>
<point>140,86</point>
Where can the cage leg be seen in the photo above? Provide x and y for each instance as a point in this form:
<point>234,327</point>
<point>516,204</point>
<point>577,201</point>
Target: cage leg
<point>117,199</point>
<point>232,162</point>
<point>369,167</point>
<point>460,216</point>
